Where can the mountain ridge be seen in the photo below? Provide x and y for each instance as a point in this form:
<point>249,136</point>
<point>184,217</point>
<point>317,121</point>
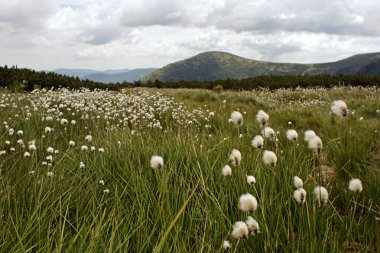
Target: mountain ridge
<point>106,76</point>
<point>215,65</point>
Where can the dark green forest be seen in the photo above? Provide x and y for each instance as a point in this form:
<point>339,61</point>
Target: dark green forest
<point>21,79</point>
<point>274,82</point>
<point>18,79</point>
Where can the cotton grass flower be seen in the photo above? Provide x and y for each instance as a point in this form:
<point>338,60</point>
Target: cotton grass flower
<point>258,142</point>
<point>339,108</point>
<point>247,203</point>
<point>226,245</point>
<point>82,165</point>
<point>262,117</point>
<point>20,132</point>
<point>297,182</point>
<point>26,154</point>
<point>32,147</point>
<point>355,185</point>
<point>49,158</point>
<point>237,118</point>
<point>101,150</point>
<point>240,230</point>
<point>50,174</point>
<point>253,225</point>
<point>93,148</point>
<point>300,195</point>
<point>292,135</point>
<point>251,180</point>
<point>48,130</point>
<point>64,122</point>
<point>235,157</point>
<point>226,171</point>
<point>50,150</point>
<point>321,194</point>
<point>84,148</point>
<point>101,182</point>
<point>71,143</point>
<point>308,135</point>
<point>88,138</point>
<point>315,143</point>
<point>269,133</point>
<point>156,162</point>
<point>269,158</point>
<point>20,142</point>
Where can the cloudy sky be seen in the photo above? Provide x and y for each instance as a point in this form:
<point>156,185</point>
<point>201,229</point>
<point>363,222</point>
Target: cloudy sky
<point>111,34</point>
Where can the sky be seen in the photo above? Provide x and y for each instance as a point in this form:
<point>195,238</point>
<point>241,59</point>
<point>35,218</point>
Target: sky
<point>118,34</point>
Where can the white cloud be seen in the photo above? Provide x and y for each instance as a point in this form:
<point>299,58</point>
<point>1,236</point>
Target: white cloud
<point>46,34</point>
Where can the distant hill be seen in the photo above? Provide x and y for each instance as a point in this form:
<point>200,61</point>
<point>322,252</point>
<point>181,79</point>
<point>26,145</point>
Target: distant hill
<point>75,72</point>
<point>107,76</point>
<point>212,66</point>
<point>129,76</point>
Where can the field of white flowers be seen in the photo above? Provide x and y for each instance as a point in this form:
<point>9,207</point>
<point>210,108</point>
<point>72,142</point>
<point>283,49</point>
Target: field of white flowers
<point>145,170</point>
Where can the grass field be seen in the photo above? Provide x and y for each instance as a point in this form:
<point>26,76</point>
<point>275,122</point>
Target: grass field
<point>57,197</point>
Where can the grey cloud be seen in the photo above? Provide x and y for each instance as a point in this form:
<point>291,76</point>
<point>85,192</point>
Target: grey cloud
<point>25,14</point>
<point>323,16</point>
<point>102,34</point>
<point>153,12</point>
<point>332,17</point>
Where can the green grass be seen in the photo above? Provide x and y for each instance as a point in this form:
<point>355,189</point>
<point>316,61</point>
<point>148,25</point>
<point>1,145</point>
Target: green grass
<point>188,206</point>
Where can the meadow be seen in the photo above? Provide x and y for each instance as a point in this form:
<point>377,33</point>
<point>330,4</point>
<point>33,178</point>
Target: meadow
<point>77,175</point>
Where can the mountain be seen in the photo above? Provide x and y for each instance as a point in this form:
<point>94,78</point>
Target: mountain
<point>129,76</point>
<point>75,72</point>
<point>107,76</point>
<point>211,66</point>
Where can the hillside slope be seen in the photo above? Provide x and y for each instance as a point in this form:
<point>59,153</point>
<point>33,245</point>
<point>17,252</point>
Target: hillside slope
<point>211,66</point>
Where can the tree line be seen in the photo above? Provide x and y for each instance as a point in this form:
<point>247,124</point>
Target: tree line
<point>275,82</point>
<point>22,79</point>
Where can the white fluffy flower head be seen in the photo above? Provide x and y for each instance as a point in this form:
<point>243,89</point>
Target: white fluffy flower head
<point>300,195</point>
<point>309,134</point>
<point>262,117</point>
<point>240,230</point>
<point>64,121</point>
<point>252,225</point>
<point>251,180</point>
<point>321,194</point>
<point>226,245</point>
<point>258,142</point>
<point>47,130</point>
<point>235,157</point>
<point>292,135</point>
<point>339,108</point>
<point>156,162</point>
<point>269,158</point>
<point>297,182</point>
<point>226,171</point>
<point>237,118</point>
<point>247,203</point>
<point>355,185</point>
<point>269,133</point>
<point>315,143</point>
<point>88,138</point>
